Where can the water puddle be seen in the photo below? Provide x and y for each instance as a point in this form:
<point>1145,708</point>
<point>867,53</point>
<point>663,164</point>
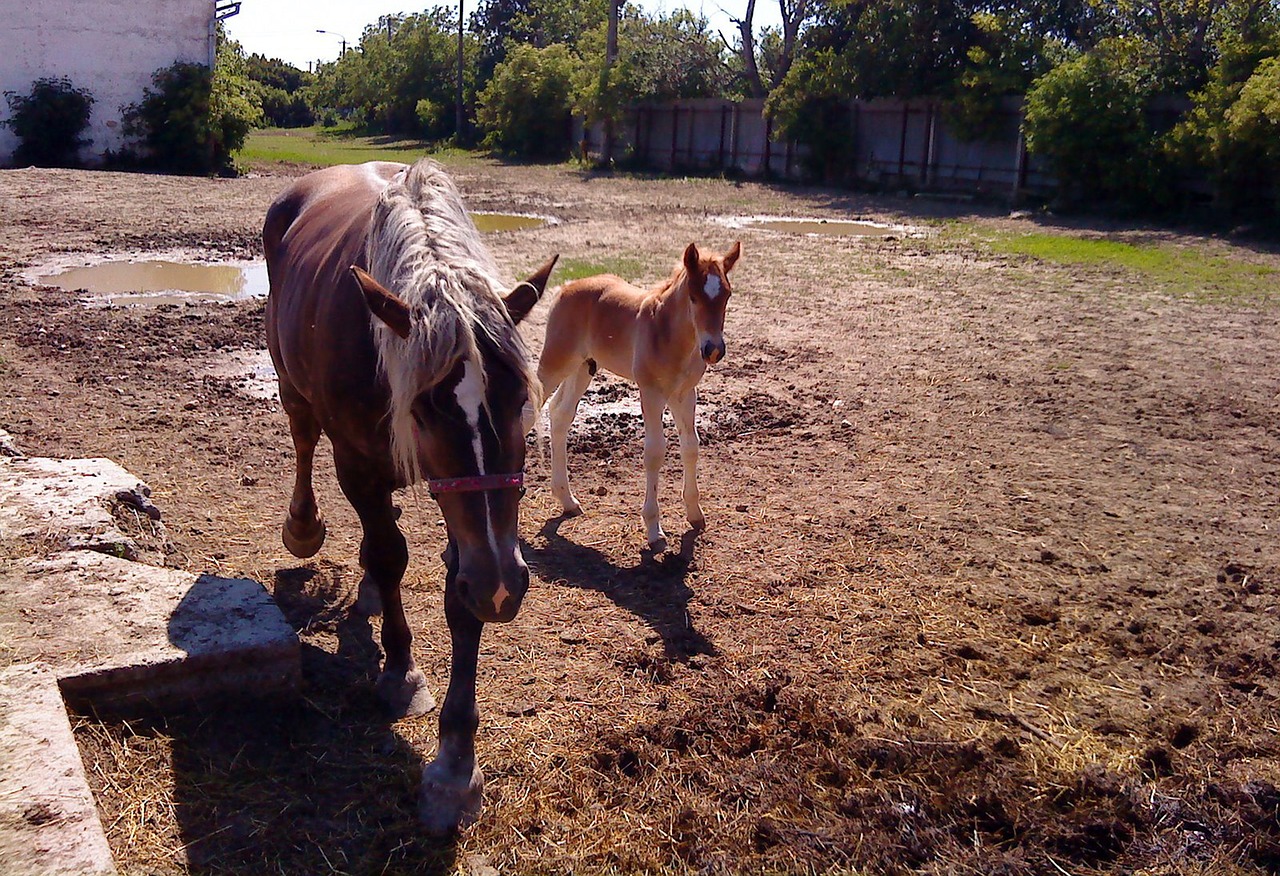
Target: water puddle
<point>179,278</point>
<point>824,227</point>
<point>162,281</point>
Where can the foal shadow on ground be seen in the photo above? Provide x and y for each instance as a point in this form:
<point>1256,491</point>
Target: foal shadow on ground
<point>310,784</point>
<point>654,589</point>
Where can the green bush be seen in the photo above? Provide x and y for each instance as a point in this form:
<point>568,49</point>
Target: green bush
<point>525,109</point>
<point>195,118</point>
<point>1087,117</point>
<point>48,123</point>
<point>1233,133</point>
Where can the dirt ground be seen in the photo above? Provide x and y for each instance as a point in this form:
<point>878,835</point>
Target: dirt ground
<point>989,582</point>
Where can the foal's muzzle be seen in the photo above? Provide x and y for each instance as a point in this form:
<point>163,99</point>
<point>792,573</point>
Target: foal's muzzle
<point>712,350</point>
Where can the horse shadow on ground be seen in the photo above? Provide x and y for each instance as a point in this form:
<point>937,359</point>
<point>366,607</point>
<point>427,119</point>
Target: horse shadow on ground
<point>655,589</point>
<point>316,783</point>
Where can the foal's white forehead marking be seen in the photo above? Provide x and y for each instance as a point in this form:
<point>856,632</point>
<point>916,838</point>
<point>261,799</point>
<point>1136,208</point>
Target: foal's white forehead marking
<point>712,286</point>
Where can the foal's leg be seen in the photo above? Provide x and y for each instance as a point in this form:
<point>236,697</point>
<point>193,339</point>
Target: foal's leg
<point>682,411</point>
<point>384,556</point>
<point>303,531</point>
<point>564,407</point>
<point>652,404</point>
<point>452,784</point>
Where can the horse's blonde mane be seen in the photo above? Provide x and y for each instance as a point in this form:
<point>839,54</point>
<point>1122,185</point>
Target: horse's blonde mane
<point>423,246</point>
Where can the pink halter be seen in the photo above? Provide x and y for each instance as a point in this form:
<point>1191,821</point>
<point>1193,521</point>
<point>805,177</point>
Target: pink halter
<point>476,483</point>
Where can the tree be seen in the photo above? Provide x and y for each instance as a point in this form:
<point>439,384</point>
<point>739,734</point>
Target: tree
<point>663,57</point>
<point>400,84</point>
<point>1232,132</point>
<point>1087,117</point>
<point>503,24</point>
<point>779,46</point>
<point>526,107</point>
<point>280,86</point>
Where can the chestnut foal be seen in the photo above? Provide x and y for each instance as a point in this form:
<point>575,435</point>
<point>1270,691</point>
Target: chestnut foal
<point>662,339</point>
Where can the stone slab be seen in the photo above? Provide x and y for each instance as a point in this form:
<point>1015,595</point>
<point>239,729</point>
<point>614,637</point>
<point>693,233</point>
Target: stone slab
<point>128,637</point>
<point>48,821</point>
<point>65,504</point>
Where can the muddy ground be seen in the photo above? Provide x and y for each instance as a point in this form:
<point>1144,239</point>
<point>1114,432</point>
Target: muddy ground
<point>989,583</point>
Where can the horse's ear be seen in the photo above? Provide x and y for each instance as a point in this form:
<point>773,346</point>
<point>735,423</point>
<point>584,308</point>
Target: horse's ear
<point>731,257</point>
<point>691,260</point>
<point>383,303</point>
<point>525,295</point>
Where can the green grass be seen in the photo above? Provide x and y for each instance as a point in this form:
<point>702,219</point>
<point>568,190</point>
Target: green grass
<point>571,269</point>
<point>1189,272</point>
<point>323,147</point>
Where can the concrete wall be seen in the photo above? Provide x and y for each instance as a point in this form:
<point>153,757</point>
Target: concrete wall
<point>109,48</point>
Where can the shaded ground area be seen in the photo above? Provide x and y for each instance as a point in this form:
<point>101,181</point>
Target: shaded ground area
<point>989,583</point>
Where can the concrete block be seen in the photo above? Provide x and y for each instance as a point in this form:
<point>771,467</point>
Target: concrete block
<point>128,637</point>
<point>65,504</point>
<point>48,821</point>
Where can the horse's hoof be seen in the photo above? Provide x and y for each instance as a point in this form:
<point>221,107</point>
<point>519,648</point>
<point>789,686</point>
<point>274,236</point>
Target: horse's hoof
<point>368,599</point>
<point>306,542</point>
<point>658,542</point>
<point>572,509</point>
<point>406,695</point>
<point>699,522</point>
<point>445,803</point>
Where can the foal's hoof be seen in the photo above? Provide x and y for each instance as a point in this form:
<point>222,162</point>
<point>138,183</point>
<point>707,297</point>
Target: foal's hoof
<point>300,539</point>
<point>405,694</point>
<point>446,802</point>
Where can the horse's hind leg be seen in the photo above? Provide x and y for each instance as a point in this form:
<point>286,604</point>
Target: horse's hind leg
<point>385,555</point>
<point>652,404</point>
<point>303,530</point>
<point>564,407</point>
<point>683,408</point>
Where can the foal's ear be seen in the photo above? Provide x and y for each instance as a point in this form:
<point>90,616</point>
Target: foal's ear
<point>691,260</point>
<point>731,257</point>
<point>525,295</point>
<point>383,303</point>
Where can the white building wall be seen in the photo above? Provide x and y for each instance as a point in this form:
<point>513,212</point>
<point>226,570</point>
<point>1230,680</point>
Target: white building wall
<point>110,48</point>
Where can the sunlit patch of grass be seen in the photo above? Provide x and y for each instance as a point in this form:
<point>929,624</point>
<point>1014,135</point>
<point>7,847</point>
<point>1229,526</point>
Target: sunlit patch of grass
<point>572,269</point>
<point>1189,272</point>
<point>323,147</point>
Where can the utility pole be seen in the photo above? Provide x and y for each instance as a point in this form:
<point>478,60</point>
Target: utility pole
<point>458,121</point>
<point>610,55</point>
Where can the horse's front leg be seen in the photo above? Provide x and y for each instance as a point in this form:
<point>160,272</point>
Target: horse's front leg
<point>652,404</point>
<point>452,784</point>
<point>683,409</point>
<point>384,556</point>
<point>303,530</point>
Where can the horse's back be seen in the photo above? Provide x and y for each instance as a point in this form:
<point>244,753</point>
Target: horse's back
<point>317,323</point>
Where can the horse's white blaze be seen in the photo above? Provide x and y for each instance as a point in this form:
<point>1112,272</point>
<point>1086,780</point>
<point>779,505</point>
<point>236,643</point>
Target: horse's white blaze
<point>470,395</point>
<point>712,286</point>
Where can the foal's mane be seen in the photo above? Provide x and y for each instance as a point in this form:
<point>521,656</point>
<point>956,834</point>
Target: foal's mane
<point>423,246</point>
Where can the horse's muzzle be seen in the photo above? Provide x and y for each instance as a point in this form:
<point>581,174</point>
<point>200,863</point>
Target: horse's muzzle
<point>712,351</point>
<point>494,598</point>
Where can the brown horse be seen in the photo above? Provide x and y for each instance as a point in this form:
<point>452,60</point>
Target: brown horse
<point>662,339</point>
<point>388,334</point>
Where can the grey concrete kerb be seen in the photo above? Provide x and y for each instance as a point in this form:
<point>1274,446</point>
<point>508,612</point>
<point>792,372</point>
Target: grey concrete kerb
<point>83,624</point>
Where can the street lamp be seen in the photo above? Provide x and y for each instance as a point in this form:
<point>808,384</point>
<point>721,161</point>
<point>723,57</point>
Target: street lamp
<point>338,35</point>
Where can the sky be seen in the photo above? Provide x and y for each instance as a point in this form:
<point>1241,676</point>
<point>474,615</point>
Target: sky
<point>287,29</point>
